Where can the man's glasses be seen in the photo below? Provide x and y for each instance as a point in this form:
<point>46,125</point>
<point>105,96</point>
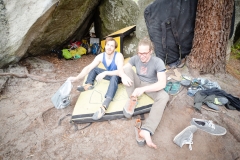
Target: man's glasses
<point>143,54</point>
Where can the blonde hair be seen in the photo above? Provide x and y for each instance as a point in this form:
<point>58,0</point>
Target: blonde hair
<point>146,42</point>
<point>111,39</point>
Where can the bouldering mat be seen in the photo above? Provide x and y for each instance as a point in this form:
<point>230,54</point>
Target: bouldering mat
<point>89,102</point>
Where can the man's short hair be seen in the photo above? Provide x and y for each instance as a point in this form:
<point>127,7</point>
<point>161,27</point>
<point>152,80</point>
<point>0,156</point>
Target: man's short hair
<point>111,39</point>
<point>146,42</point>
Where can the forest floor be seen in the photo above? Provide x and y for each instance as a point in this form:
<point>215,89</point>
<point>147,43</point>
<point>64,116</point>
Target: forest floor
<point>30,126</point>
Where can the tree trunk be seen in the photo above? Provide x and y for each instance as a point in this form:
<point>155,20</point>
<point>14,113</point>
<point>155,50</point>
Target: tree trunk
<point>212,28</point>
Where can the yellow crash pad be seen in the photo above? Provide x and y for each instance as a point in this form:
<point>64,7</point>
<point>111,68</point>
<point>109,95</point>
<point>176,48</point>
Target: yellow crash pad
<point>90,101</point>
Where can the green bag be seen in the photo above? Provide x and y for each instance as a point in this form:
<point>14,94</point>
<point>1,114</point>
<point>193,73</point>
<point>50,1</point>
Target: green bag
<point>66,54</point>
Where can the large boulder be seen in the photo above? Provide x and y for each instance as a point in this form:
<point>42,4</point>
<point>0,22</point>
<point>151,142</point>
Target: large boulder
<point>115,15</point>
<point>141,29</point>
<point>33,27</point>
<point>71,20</point>
<point>17,19</point>
<point>51,24</point>
<point>130,42</point>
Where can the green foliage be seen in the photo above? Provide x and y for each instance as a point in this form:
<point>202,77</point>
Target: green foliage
<point>236,50</point>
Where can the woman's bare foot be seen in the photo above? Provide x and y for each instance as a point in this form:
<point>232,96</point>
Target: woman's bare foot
<point>146,135</point>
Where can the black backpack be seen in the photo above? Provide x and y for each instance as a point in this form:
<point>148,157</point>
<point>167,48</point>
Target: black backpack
<point>170,25</point>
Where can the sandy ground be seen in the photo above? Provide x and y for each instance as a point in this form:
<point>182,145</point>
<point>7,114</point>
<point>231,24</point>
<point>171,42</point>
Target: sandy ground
<point>30,126</point>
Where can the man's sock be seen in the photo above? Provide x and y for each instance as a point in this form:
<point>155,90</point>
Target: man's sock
<point>106,102</point>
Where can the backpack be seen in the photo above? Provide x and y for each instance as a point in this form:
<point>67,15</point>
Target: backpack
<point>61,99</point>
<point>95,48</point>
<point>170,26</point>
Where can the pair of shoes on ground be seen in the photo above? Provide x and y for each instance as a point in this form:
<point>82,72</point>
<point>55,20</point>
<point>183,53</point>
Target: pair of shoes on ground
<point>193,85</point>
<point>137,128</point>
<point>130,106</point>
<point>197,84</point>
<point>186,136</point>
<point>193,90</point>
<point>128,111</point>
<point>173,88</point>
<point>209,127</point>
<point>177,64</point>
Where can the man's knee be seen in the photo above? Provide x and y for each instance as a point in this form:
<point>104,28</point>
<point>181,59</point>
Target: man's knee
<point>115,78</point>
<point>162,96</point>
<point>94,70</point>
<point>165,95</point>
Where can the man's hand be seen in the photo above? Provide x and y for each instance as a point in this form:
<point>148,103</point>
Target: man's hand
<point>72,79</point>
<point>100,76</point>
<point>127,81</point>
<point>138,92</point>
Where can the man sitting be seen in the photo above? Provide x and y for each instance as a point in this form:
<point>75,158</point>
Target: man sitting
<point>150,78</point>
<point>112,61</point>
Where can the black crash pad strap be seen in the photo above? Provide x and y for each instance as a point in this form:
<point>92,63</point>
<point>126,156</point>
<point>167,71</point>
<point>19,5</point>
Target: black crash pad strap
<point>75,125</point>
<point>170,22</point>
